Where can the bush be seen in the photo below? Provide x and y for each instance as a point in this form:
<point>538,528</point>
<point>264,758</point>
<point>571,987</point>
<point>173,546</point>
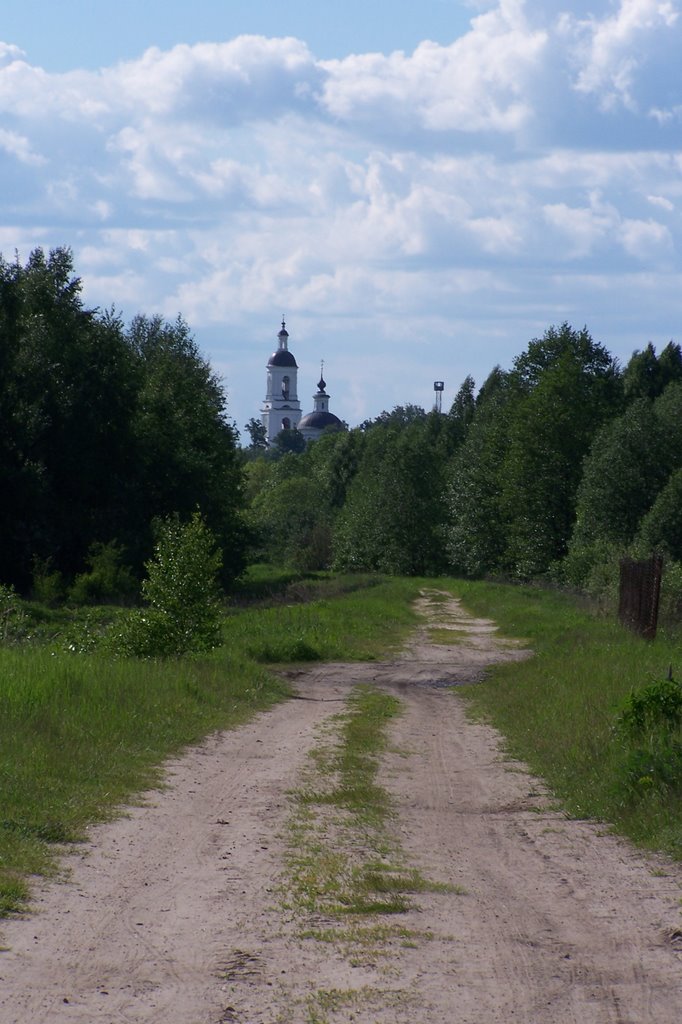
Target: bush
<point>48,584</point>
<point>108,581</point>
<point>12,616</point>
<point>670,608</point>
<point>649,725</point>
<point>182,594</point>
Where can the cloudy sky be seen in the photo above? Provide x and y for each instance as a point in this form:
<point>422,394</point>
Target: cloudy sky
<point>419,186</point>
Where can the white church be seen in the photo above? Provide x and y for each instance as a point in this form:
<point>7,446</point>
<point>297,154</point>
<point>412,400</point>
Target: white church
<point>281,408</point>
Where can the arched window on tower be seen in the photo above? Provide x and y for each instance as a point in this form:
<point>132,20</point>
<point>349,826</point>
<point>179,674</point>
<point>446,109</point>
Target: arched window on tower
<point>286,423</point>
<point>285,387</point>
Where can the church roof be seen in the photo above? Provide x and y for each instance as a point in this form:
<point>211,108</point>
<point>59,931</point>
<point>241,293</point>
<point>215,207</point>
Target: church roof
<point>319,420</point>
<point>282,357</point>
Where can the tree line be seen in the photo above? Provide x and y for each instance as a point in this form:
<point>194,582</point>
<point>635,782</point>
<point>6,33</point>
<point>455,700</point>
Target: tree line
<point>550,469</point>
<point>104,431</point>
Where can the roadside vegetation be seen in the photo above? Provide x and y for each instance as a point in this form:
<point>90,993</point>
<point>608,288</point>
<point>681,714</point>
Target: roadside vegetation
<point>596,711</point>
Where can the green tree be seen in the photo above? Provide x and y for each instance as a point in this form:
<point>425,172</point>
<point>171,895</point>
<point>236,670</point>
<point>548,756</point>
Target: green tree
<point>67,388</point>
<point>181,591</point>
<point>289,440</point>
<point>477,528</point>
<point>661,527</point>
<point>566,386</point>
<point>258,434</point>
<point>647,376</point>
<point>393,516</point>
<point>185,444</point>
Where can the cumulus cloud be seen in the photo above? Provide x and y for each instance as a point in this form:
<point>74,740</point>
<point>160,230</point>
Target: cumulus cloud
<point>431,193</point>
<point>608,51</point>
<point>477,84</point>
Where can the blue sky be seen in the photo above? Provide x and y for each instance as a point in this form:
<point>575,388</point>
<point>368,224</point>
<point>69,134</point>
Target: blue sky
<point>421,188</point>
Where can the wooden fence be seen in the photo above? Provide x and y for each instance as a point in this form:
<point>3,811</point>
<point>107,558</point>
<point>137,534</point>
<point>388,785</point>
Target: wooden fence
<point>640,588</point>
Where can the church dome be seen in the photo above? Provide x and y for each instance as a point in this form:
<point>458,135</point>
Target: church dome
<point>319,420</point>
<point>282,357</point>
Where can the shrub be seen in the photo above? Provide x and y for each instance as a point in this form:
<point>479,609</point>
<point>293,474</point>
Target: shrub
<point>48,584</point>
<point>107,581</point>
<point>12,615</point>
<point>181,590</point>
<point>649,724</point>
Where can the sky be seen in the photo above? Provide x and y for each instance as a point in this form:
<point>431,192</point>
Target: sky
<point>420,189</point>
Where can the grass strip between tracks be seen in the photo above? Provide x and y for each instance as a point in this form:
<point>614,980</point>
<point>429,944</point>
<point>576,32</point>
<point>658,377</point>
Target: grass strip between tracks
<point>345,866</point>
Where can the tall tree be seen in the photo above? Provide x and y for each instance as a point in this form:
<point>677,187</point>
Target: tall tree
<point>567,386</point>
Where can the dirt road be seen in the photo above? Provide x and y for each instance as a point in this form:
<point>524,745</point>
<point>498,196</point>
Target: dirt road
<point>176,912</point>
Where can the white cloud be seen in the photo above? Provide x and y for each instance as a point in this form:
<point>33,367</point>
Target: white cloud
<point>20,147</point>
<point>646,240</point>
<point>452,193</point>
<point>609,50</point>
<point>476,84</point>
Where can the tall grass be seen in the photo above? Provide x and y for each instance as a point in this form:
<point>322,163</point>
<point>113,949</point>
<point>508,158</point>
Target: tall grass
<point>81,733</point>
<point>558,711</point>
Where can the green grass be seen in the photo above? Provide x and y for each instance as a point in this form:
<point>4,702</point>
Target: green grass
<point>343,859</point>
<point>81,733</point>
<point>558,710</point>
<point>351,624</point>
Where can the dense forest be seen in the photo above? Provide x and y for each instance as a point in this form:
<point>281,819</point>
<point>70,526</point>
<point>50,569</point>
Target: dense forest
<point>552,469</point>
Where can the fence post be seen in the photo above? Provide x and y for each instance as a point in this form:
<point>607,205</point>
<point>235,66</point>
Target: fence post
<point>640,588</point>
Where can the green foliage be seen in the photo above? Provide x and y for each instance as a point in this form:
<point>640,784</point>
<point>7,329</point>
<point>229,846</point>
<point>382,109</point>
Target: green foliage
<point>107,581</point>
<point>394,514</point>
<point>289,440</point>
<point>647,376</point>
<point>649,724</point>
<point>565,386</point>
<point>661,527</point>
<point>476,528</point>
<point>652,713</point>
<point>181,592</point>
<point>257,433</point>
<point>12,615</point>
<point>48,586</point>
<point>103,429</point>
<point>556,710</point>
<point>670,608</point>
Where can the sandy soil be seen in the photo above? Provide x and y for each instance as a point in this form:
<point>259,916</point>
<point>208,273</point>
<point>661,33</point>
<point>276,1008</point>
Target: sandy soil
<point>174,913</point>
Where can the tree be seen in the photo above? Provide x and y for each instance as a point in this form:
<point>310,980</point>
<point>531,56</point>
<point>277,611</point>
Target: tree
<point>566,386</point>
<point>289,440</point>
<point>67,389</point>
<point>661,527</point>
<point>103,429</point>
<point>393,516</point>
<point>647,376</point>
<point>182,594</point>
<point>476,528</point>
<point>629,463</point>
<point>258,434</point>
<point>186,446</point>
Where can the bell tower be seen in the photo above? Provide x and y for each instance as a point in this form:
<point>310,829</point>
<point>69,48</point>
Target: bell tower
<point>281,409</point>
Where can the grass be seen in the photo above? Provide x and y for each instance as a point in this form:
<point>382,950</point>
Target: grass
<point>340,622</point>
<point>344,861</point>
<point>80,733</point>
<point>347,878</point>
<point>558,710</point>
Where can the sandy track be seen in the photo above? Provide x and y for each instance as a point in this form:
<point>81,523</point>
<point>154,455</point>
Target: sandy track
<point>172,914</point>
